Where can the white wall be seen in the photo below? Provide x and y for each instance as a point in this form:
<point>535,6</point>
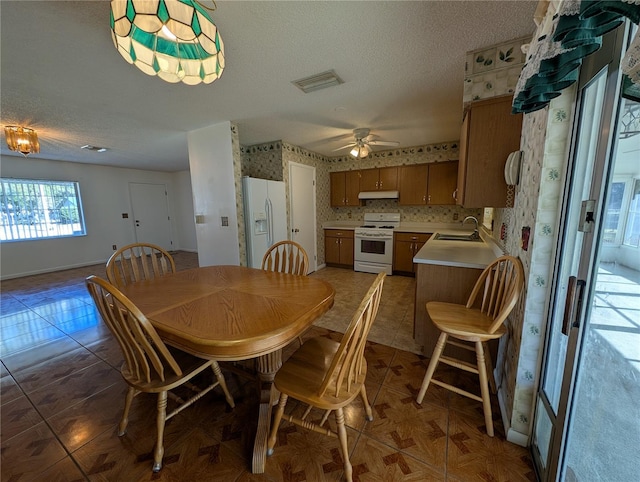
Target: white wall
<point>185,223</point>
<point>105,196</point>
<point>214,194</point>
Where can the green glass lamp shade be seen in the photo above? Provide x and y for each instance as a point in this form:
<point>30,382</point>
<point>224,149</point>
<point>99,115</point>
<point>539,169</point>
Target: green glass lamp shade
<point>173,39</point>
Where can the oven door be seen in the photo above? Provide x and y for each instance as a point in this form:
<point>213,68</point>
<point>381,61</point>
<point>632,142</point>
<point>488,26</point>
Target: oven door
<point>376,250</point>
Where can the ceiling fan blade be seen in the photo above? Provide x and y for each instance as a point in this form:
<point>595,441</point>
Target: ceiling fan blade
<point>344,147</point>
<point>384,143</point>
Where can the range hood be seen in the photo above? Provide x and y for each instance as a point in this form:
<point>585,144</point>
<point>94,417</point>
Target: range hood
<point>378,195</point>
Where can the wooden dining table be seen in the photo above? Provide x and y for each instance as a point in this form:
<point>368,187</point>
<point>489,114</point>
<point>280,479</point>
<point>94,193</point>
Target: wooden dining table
<point>231,313</point>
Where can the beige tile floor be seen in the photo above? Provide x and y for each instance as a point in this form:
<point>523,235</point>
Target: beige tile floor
<point>62,397</point>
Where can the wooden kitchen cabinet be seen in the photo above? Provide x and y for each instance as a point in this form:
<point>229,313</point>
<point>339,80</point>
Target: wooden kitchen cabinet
<point>489,133</point>
<point>338,247</point>
<point>380,179</point>
<point>442,183</point>
<point>412,184</point>
<point>405,247</point>
<point>345,187</point>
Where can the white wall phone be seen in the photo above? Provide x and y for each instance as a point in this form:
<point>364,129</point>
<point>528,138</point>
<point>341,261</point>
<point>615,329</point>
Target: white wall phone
<point>512,168</point>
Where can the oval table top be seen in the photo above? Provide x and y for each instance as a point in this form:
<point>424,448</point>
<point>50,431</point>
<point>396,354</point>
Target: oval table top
<point>231,312</point>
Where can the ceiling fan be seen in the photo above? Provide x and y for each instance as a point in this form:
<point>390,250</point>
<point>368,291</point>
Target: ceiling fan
<point>361,146</point>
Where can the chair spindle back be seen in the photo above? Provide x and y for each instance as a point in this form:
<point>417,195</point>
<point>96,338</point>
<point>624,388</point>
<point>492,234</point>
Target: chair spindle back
<point>146,356</point>
<point>501,283</point>
<point>286,257</point>
<point>348,363</point>
<point>138,262</point>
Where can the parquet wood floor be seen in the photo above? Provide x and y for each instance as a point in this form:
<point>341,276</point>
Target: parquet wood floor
<point>62,397</point>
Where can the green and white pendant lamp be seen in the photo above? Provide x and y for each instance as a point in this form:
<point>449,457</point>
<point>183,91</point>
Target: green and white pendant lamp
<point>173,39</point>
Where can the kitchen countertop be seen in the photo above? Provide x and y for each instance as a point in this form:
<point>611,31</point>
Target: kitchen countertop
<point>461,254</point>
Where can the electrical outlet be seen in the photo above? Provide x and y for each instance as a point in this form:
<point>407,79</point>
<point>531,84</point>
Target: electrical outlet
<point>455,216</point>
<point>225,220</point>
<point>114,247</point>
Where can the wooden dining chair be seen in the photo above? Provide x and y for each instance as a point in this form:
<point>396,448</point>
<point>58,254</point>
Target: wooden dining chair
<point>149,365</point>
<point>499,285</point>
<point>286,257</point>
<point>329,375</point>
<point>137,262</point>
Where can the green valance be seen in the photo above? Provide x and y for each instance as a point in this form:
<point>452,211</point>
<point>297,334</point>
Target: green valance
<point>562,41</point>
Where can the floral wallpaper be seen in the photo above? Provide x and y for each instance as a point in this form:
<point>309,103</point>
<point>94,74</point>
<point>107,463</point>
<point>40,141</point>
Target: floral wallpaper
<point>493,71</point>
<point>237,174</point>
<point>538,200</point>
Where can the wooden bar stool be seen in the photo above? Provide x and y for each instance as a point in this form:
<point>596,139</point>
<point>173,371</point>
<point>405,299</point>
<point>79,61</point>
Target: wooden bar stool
<point>500,285</point>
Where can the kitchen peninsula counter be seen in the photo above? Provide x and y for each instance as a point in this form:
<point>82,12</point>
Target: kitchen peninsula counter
<point>447,271</point>
<point>461,254</point>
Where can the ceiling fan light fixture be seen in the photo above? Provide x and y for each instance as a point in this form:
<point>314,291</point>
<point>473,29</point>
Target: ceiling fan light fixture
<point>22,139</point>
<point>360,151</point>
<point>174,40</point>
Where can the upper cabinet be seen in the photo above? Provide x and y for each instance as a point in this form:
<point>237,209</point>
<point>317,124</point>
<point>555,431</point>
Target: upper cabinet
<point>413,184</point>
<point>430,184</point>
<point>382,179</point>
<point>489,133</point>
<point>442,183</point>
<point>345,187</point>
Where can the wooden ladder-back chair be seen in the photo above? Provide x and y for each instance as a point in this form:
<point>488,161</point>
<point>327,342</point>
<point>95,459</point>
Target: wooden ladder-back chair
<point>328,375</point>
<point>137,262</point>
<point>149,365</point>
<point>286,257</point>
<point>500,285</point>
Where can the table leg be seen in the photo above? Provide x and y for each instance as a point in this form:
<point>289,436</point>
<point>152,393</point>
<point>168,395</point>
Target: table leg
<point>268,365</point>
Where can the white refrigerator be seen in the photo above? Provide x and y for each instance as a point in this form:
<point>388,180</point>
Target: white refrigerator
<point>265,216</point>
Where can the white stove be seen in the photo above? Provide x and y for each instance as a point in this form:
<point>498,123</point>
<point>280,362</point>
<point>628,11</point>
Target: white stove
<point>374,243</point>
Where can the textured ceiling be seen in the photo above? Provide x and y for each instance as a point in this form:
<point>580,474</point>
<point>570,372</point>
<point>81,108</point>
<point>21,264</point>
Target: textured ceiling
<point>402,63</point>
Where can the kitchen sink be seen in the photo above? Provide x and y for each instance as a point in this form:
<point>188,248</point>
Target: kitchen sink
<point>457,237</point>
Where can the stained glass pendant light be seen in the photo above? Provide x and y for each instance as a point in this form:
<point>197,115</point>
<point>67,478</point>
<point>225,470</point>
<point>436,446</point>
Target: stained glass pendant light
<point>173,39</point>
<point>22,139</point>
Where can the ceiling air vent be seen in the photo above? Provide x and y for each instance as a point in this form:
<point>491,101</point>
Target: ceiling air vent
<point>318,81</point>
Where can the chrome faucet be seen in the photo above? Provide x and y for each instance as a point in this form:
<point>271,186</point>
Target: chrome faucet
<point>475,234</point>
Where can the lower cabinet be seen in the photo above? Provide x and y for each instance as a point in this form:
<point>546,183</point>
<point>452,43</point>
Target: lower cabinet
<point>338,247</point>
<point>405,247</point>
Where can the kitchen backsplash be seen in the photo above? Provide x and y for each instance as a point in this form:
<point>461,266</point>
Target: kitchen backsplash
<point>414,214</point>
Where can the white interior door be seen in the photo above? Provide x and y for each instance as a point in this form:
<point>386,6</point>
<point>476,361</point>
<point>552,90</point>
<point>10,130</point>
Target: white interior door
<point>150,209</point>
<point>302,209</point>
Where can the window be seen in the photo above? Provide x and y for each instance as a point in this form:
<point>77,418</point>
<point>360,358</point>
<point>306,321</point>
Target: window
<point>632,228</point>
<point>612,215</point>
<point>39,209</point>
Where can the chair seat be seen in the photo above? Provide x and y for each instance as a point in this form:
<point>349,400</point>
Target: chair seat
<point>466,323</point>
<point>304,372</point>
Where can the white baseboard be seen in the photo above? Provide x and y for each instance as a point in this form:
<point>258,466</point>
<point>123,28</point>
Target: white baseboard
<point>321,266</point>
<point>53,270</point>
<point>513,436</point>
